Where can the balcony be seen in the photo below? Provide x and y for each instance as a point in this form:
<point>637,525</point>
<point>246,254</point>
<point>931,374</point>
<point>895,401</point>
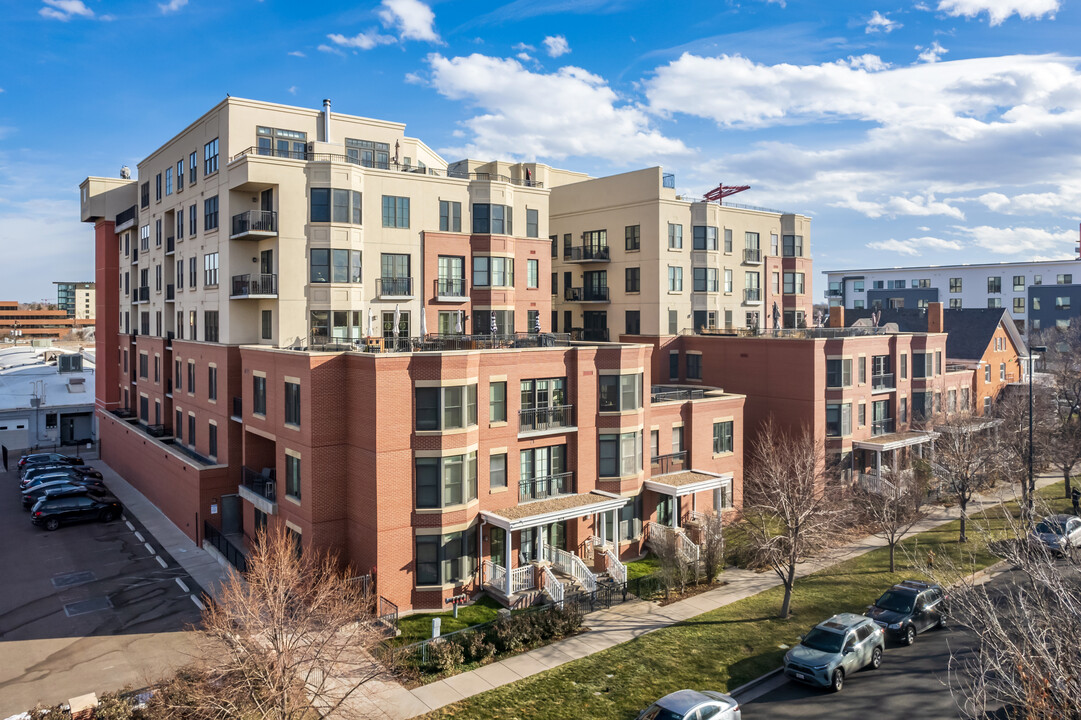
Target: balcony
<point>882,427</point>
<point>134,256</point>
<point>254,225</point>
<point>752,296</point>
<point>752,256</point>
<point>546,419</point>
<point>169,339</point>
<point>142,294</point>
<point>126,219</point>
<point>587,253</point>
<point>883,382</point>
<point>668,393</point>
<point>546,487</point>
<point>238,409</point>
<point>260,489</point>
<point>170,245</point>
<point>168,387</point>
<point>834,292</point>
<point>170,292</point>
<point>389,288</point>
<point>670,463</point>
<point>586,294</point>
<point>452,289</point>
<point>590,334</point>
<point>254,286</point>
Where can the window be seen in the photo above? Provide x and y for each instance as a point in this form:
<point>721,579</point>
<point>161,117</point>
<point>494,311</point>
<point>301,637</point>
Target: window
<point>675,279</point>
<point>838,372</point>
<point>1062,302</point>
<point>838,420</point>
<point>1066,279</point>
<point>497,402</point>
<point>168,181</point>
<point>633,237</point>
<point>496,220</point>
<point>532,273</point>
<point>144,366</point>
<point>861,363</point>
<point>340,266</point>
<point>705,279</point>
<point>1002,372</point>
<point>955,304</point>
<point>694,366</point>
<point>1018,283</point>
<point>861,416</point>
<point>922,365</point>
<point>497,470</point>
<point>180,174</point>
<point>446,481</point>
<point>191,377</point>
<point>210,213</point>
<point>673,366</point>
<point>493,272</point>
<point>620,454</point>
<point>210,269</point>
<point>193,160</point>
<point>292,403</point>
<point>191,430</point>
<point>157,188</point>
<point>792,246</point>
<point>292,476</point>
<point>193,222</point>
<point>446,408</point>
<point>630,519</point>
<point>258,395</point>
<point>212,440</point>
<point>210,157</point>
<point>532,225</point>
<point>793,283</point>
<point>633,322</point>
<point>633,279</point>
<point>705,237</point>
<point>144,237</point>
<point>728,281</point>
<point>193,275</point>
<point>210,325</point>
<point>144,195</point>
<point>334,205</point>
<point>1019,305</point>
<point>722,437</point>
<point>504,322</point>
<point>677,439</point>
<point>673,321</point>
<point>1036,304</point>
<point>994,285</point>
<point>446,559</point>
<point>395,212</point>
<point>675,236</point>
<point>157,233</point>
<point>994,302</point>
<point>450,216</point>
<point>620,392</point>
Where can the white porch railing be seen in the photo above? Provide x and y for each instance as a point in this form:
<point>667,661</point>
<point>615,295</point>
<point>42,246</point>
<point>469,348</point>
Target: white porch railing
<point>552,586</point>
<point>570,564</point>
<point>688,549</point>
<point>521,579</point>
<point>616,569</point>
<point>884,484</point>
<point>495,575</point>
<point>658,536</point>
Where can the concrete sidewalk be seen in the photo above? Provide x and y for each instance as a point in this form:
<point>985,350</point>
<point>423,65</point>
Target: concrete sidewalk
<point>608,628</point>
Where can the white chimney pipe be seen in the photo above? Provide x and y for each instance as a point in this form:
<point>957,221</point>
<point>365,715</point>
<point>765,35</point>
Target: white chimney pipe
<point>326,120</point>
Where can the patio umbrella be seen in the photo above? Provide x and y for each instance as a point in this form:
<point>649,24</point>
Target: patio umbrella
<point>397,319</point>
<point>536,325</point>
<point>495,328</point>
<point>458,324</point>
<point>423,324</point>
<point>371,322</point>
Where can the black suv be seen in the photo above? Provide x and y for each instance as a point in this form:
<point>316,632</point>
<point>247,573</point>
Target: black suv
<point>40,458</point>
<point>32,471</point>
<point>51,513</point>
<point>61,487</point>
<point>909,608</point>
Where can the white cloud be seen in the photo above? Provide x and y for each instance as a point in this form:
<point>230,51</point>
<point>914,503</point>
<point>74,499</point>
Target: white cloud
<point>998,11</point>
<point>293,90</point>
<point>1018,240</point>
<point>64,10</point>
<point>556,45</point>
<point>913,246</point>
<point>523,47</point>
<point>414,79</point>
<point>329,49</point>
<point>362,41</point>
<point>297,53</point>
<point>172,5</point>
<point>881,23</point>
<point>414,19</point>
<point>914,205</point>
<point>524,57</point>
<point>589,119</point>
<point>931,54</point>
<point>1065,201</point>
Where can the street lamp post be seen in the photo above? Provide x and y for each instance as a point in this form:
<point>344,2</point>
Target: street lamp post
<point>1031,371</point>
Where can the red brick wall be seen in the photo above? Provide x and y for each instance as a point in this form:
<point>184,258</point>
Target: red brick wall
<point>107,312</point>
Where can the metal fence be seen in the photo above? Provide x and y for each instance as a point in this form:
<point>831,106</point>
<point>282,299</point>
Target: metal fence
<point>223,545</point>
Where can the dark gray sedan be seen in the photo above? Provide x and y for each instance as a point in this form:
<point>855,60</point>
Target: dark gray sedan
<point>1058,533</point>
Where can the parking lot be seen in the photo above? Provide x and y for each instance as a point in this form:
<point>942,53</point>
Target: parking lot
<point>87,607</point>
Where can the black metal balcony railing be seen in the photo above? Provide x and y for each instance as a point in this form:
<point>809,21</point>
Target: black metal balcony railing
<point>752,255</point>
<point>144,294</point>
<point>672,462</point>
<point>882,427</point>
<point>170,292</point>
<point>598,253</point>
<point>264,284</point>
<point>261,485</point>
<point>238,406</point>
<point>222,544</point>
<point>834,292</point>
<point>255,221</point>
<point>883,381</point>
<point>590,334</point>
<point>546,418</point>
<point>450,287</point>
<point>394,287</point>
<point>546,487</point>
<point>127,215</point>
<point>586,294</point>
<point>752,295</point>
<point>676,395</point>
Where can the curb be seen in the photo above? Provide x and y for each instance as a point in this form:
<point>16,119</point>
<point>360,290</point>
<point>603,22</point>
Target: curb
<point>747,687</point>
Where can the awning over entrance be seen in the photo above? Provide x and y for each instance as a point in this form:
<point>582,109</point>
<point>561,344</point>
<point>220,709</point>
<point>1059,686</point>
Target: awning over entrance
<point>895,441</point>
<point>687,482</point>
<point>557,509</point>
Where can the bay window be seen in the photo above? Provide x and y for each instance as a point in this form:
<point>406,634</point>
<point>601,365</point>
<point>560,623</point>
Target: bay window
<point>446,481</point>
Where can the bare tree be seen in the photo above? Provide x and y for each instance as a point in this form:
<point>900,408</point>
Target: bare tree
<point>1012,409</point>
<point>291,637</point>
<point>1027,652</point>
<point>1062,364</point>
<point>712,548</point>
<point>966,459</point>
<point>791,507</point>
<point>674,566</point>
<point>893,511</point>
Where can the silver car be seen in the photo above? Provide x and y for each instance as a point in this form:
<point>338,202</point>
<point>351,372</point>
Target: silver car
<point>693,705</point>
<point>1058,533</point>
<point>835,649</point>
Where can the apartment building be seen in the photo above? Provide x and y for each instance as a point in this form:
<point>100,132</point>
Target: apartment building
<point>870,396</point>
<point>1039,295</point>
<point>77,299</point>
<point>629,256</point>
<point>303,316</point>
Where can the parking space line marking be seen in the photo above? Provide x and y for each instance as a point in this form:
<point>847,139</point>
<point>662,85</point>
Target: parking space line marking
<point>181,584</point>
<point>130,526</point>
<point>140,536</point>
<point>124,517</point>
<point>149,548</point>
<point>161,562</point>
<point>198,602</point>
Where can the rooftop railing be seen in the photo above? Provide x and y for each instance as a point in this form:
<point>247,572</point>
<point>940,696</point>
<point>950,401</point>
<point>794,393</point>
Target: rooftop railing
<point>666,395</point>
<point>435,343</point>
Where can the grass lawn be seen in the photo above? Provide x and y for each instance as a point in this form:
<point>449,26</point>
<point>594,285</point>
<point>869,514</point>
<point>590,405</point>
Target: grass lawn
<point>718,650</point>
<point>419,626</point>
<point>640,568</point>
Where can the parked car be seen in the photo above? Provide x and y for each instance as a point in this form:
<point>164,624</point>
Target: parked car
<point>834,649</point>
<point>59,474</point>
<point>909,608</point>
<point>58,487</point>
<point>1058,533</point>
<point>51,513</point>
<point>705,705</point>
<point>49,457</point>
<point>82,470</point>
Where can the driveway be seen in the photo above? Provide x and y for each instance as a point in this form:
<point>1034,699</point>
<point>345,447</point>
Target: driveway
<point>85,608</point>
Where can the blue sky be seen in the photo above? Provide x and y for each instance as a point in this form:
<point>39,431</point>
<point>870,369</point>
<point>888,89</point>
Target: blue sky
<point>912,132</point>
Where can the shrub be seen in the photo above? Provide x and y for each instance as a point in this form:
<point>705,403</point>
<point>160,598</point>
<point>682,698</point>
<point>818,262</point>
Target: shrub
<point>445,655</point>
<point>477,647</point>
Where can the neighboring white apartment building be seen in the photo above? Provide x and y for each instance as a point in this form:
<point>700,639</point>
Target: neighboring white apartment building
<point>1037,294</point>
<point>46,398</point>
